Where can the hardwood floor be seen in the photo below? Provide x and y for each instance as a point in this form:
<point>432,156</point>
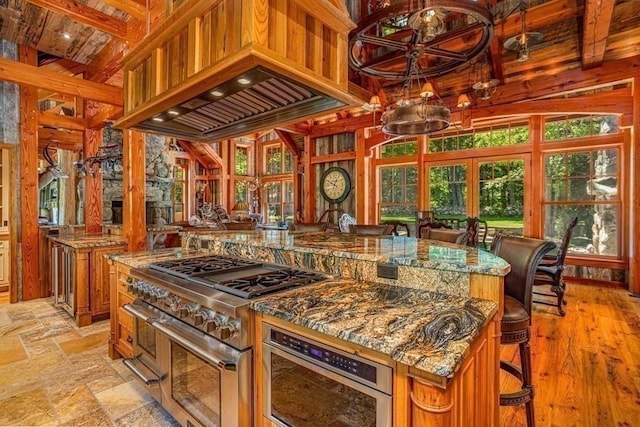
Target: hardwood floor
<point>586,366</point>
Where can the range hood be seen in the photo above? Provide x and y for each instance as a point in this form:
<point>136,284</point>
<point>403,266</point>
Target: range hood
<point>260,66</point>
<point>233,108</point>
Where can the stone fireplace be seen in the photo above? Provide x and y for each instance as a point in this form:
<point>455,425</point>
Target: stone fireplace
<point>158,188</point>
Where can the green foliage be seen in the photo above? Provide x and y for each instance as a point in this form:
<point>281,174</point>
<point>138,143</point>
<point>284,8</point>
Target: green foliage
<point>242,161</point>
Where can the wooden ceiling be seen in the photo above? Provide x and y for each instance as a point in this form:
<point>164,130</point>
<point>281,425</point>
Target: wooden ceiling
<point>580,36</point>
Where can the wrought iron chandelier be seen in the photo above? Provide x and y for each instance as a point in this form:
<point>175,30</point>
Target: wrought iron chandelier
<point>108,158</point>
<point>415,116</point>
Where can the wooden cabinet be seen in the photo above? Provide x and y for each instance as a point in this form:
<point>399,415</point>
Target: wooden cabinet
<point>121,339</point>
<point>4,191</point>
<point>420,399</point>
<point>81,276</point>
<point>4,264</point>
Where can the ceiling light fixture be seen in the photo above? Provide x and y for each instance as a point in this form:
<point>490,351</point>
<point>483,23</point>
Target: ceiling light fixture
<point>414,116</point>
<point>485,86</point>
<point>244,81</point>
<point>158,119</point>
<point>523,41</point>
<point>173,112</point>
<point>66,36</point>
<point>428,23</point>
<point>463,101</point>
<point>216,93</point>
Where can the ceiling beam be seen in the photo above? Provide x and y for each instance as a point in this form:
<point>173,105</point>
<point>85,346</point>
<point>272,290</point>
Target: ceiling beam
<point>194,151</point>
<point>106,114</point>
<point>130,7</point>
<point>597,20</point>
<point>86,15</point>
<point>59,121</point>
<point>546,85</point>
<point>16,72</point>
<point>614,102</point>
<point>60,136</point>
<point>286,138</point>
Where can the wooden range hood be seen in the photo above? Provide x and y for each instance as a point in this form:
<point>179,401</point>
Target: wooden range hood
<point>222,68</point>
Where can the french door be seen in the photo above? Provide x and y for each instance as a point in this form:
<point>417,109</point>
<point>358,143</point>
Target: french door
<point>491,188</point>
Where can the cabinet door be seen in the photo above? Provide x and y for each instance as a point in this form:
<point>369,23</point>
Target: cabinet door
<point>99,295</point>
<point>4,262</point>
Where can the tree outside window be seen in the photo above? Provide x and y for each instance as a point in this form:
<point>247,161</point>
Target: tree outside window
<point>398,193</point>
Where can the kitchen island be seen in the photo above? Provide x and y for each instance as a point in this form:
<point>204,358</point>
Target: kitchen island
<point>436,326</point>
<point>79,276</point>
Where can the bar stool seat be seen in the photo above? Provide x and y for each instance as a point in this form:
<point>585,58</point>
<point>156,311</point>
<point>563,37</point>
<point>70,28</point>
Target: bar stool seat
<point>514,319</point>
<point>524,255</point>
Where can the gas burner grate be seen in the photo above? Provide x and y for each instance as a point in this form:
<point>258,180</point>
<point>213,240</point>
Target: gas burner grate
<point>262,284</point>
<point>194,267</point>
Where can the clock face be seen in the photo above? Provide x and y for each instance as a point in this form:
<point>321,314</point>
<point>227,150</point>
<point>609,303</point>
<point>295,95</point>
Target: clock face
<point>335,185</point>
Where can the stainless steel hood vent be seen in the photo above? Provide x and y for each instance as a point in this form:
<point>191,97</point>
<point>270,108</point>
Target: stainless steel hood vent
<point>257,99</point>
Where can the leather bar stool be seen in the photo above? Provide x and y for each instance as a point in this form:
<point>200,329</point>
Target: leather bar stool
<point>523,254</point>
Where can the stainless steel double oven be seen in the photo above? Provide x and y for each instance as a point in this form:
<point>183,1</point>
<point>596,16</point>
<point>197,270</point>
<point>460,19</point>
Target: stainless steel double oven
<point>200,380</point>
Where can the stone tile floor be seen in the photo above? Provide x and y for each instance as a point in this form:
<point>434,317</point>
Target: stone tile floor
<point>54,373</point>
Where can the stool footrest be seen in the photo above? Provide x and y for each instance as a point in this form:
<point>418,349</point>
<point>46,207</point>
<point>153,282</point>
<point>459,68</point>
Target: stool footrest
<point>511,369</point>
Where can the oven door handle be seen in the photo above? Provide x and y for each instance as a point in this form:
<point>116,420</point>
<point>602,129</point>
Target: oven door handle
<point>223,357</point>
<point>213,351</point>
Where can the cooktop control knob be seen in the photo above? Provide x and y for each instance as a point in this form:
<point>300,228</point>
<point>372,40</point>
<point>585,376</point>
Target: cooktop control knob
<point>229,329</point>
<point>210,324</point>
<point>198,318</point>
<point>188,310</point>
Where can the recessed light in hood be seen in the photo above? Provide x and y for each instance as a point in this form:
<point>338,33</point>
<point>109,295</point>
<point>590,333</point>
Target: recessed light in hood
<point>236,107</point>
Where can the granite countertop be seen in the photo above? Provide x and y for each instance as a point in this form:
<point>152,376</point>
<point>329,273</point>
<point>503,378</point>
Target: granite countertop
<point>429,331</point>
<point>157,227</point>
<point>142,259</point>
<point>400,250</point>
<point>88,240</point>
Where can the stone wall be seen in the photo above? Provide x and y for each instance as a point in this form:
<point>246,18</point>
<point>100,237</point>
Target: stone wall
<point>159,178</point>
<point>9,99</point>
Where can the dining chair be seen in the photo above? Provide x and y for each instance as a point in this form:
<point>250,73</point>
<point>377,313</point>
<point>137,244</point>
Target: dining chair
<point>459,237</point>
<point>524,255</point>
<point>549,272</point>
<point>311,226</point>
<point>371,229</point>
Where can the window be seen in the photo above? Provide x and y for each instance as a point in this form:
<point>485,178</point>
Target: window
<point>398,193</point>
<point>567,127</point>
<point>278,160</point>
<point>241,191</point>
<point>242,160</point>
<point>448,190</point>
<point>399,149</point>
<point>279,202</point>
<point>584,184</point>
<point>180,189</point>
<point>496,136</point>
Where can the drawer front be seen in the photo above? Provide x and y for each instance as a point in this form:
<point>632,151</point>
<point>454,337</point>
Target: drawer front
<point>125,319</point>
<point>125,341</point>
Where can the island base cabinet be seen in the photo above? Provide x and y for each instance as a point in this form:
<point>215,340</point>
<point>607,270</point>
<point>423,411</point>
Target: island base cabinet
<point>121,339</point>
<point>80,281</point>
<point>470,398</point>
<point>420,399</point>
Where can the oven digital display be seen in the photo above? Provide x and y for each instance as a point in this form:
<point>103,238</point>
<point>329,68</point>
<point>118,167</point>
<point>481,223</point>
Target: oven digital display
<point>316,353</point>
<point>326,356</point>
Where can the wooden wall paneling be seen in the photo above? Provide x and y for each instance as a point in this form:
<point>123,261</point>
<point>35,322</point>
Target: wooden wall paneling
<point>133,184</point>
<point>68,195</point>
<point>634,260</point>
<point>29,181</point>
<point>296,33</point>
